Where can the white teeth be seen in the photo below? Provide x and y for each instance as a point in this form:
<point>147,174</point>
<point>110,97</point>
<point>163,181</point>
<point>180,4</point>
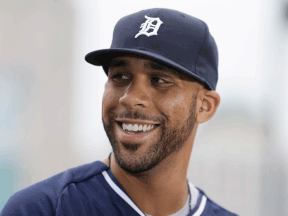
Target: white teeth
<point>137,127</point>
<point>149,127</point>
<point>129,127</point>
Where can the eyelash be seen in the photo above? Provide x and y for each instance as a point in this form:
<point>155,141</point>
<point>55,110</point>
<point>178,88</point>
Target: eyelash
<point>119,75</point>
<point>160,79</point>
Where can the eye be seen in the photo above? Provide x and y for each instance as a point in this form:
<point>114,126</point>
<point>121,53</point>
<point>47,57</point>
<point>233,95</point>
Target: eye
<point>158,80</point>
<point>120,77</point>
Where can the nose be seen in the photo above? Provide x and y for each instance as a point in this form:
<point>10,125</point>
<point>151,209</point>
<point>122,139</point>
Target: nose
<point>136,95</point>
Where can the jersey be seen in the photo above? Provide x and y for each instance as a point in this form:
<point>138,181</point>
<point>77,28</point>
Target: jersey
<point>88,190</point>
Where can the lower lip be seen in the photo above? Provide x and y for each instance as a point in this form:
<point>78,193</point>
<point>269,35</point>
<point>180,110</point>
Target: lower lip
<point>136,137</point>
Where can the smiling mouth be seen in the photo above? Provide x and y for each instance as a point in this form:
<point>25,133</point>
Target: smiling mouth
<point>136,128</point>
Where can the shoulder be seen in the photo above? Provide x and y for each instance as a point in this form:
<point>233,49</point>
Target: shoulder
<point>212,208</point>
<point>42,198</point>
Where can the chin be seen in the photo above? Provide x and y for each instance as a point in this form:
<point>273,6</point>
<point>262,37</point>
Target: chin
<point>132,160</point>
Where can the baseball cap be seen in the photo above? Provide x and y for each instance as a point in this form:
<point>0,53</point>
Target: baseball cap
<point>176,39</point>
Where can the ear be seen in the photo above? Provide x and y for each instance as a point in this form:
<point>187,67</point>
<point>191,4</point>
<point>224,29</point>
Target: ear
<point>207,105</point>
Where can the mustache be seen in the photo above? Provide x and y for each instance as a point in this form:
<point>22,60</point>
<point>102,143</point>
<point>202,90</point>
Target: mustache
<point>135,115</point>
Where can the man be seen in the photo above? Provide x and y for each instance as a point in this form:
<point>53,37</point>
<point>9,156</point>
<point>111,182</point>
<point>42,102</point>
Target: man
<point>162,73</point>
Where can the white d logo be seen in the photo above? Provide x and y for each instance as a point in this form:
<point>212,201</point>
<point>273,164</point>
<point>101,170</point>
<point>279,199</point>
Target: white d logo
<point>145,27</point>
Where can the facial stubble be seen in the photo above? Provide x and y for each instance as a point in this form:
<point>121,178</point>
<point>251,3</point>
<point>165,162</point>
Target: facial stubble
<point>169,141</point>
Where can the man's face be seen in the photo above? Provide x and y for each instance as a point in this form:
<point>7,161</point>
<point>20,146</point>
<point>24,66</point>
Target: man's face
<point>143,92</point>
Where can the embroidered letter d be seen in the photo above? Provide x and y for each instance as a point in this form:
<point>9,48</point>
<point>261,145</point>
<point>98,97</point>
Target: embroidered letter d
<point>148,25</point>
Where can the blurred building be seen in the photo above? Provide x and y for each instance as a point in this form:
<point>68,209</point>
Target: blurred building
<point>36,48</point>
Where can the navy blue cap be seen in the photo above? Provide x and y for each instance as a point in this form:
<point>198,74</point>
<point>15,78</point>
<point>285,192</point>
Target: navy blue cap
<point>168,36</point>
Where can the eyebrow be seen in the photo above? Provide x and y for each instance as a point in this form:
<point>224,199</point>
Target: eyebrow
<point>118,63</point>
<point>150,65</point>
<point>158,66</point>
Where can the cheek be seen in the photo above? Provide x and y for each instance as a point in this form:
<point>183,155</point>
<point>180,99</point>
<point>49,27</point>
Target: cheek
<point>110,100</point>
<point>174,107</point>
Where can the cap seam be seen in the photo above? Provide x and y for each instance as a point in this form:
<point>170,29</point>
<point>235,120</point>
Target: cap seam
<point>206,33</point>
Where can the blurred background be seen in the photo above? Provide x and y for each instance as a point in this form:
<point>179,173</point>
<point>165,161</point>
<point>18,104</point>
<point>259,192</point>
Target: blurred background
<point>50,98</point>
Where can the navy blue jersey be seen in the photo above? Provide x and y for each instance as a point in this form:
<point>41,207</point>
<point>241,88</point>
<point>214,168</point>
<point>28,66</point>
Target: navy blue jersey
<point>87,190</point>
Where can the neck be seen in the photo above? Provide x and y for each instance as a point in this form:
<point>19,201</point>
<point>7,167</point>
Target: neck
<point>152,191</point>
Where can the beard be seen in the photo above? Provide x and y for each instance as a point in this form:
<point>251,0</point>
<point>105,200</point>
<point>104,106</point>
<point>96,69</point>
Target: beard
<point>168,141</point>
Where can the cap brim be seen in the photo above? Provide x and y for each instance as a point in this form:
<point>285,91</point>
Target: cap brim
<point>104,56</point>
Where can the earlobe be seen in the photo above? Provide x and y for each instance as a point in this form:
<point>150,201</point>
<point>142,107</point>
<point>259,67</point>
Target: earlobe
<point>209,103</point>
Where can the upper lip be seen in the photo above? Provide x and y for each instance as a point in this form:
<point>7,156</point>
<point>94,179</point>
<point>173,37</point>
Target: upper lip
<point>133,121</point>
